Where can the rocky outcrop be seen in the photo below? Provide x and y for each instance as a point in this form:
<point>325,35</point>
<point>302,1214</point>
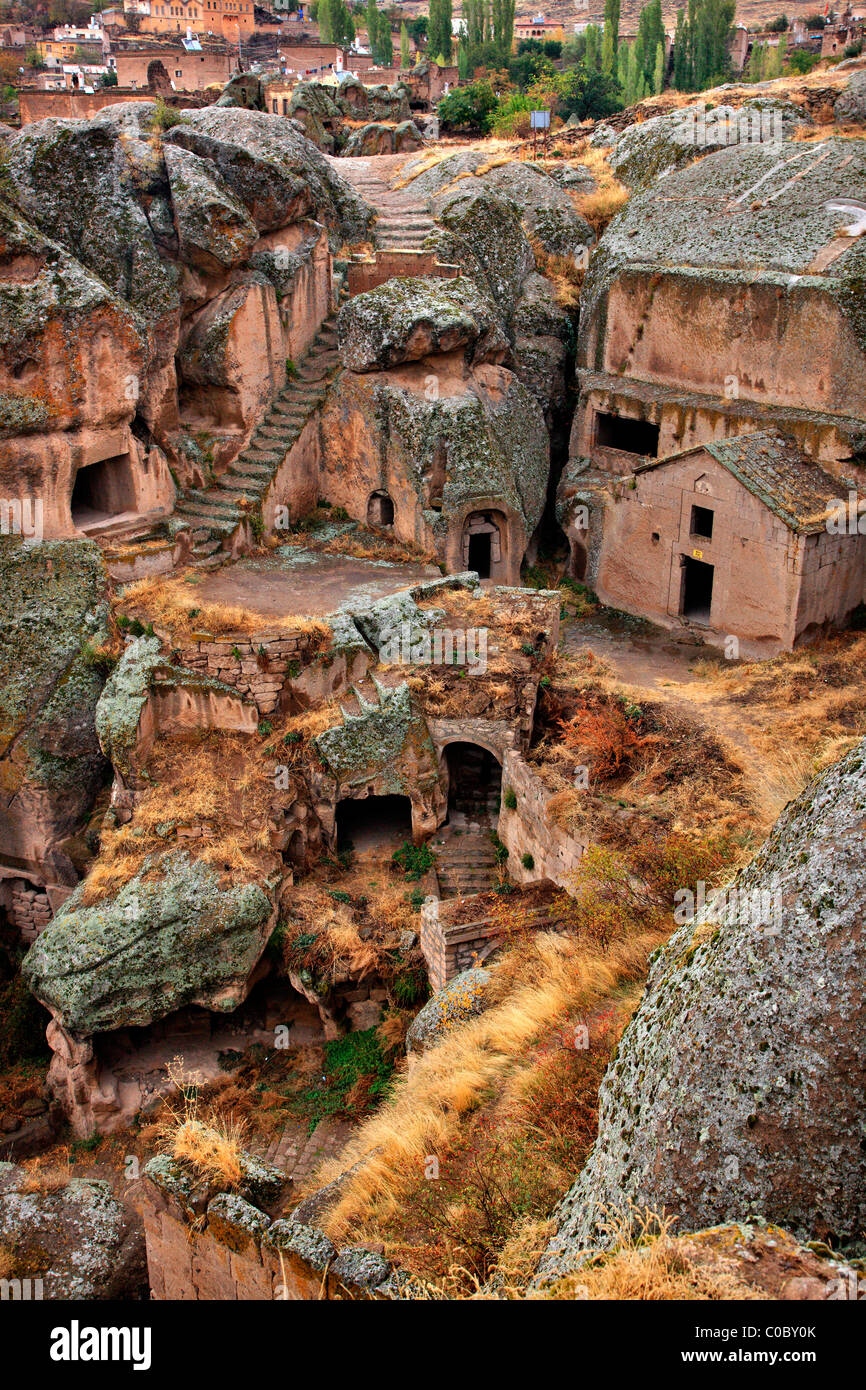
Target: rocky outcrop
<point>850,105</point>
<point>159,270</point>
<point>461,999</point>
<point>55,617</point>
<point>738,1088</point>
<point>171,936</point>
<point>645,151</point>
<point>543,205</point>
<point>327,116</point>
<point>444,441</point>
<point>407,319</point>
<point>378,138</point>
<point>73,1242</point>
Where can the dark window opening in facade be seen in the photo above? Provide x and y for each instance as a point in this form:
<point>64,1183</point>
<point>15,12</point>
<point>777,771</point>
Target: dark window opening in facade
<point>627,435</point>
<point>701,524</point>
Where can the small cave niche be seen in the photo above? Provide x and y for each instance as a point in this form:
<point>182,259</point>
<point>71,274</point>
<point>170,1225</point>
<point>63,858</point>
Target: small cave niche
<point>102,491</point>
<point>370,822</point>
<point>380,509</point>
<point>627,435</point>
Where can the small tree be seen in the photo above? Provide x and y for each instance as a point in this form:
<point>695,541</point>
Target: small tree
<point>405,55</point>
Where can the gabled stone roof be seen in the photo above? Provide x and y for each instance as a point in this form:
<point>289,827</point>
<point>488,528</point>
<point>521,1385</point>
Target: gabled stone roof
<point>774,470</point>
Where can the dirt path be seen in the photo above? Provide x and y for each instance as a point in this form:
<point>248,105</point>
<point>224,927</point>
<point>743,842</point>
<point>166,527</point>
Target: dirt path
<point>648,660</point>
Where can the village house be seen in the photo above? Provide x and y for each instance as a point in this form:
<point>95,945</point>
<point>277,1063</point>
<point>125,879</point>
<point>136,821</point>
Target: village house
<point>737,537</point>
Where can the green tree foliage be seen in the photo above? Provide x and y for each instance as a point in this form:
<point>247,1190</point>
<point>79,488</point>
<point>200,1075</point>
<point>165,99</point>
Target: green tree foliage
<point>405,54</point>
<point>701,56</point>
<point>610,40</point>
<point>469,108</point>
<point>439,38</point>
<point>502,20</point>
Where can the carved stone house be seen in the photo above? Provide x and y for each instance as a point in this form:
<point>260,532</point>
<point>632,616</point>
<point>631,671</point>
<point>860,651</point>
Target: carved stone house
<point>734,538</point>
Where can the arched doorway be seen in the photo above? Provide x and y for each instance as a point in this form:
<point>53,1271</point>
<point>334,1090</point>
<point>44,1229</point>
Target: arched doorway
<point>371,822</point>
<point>380,509</point>
<point>484,544</point>
<point>474,782</point>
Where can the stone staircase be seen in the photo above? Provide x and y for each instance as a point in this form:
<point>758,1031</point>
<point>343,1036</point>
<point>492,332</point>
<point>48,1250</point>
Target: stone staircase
<point>403,219</point>
<point>297,1153</point>
<point>465,856</point>
<point>214,514</point>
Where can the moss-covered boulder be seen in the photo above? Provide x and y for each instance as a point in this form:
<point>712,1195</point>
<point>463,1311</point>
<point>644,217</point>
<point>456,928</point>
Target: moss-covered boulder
<point>173,935</point>
<point>370,139</point>
<point>541,199</point>
<point>483,234</point>
<point>277,174</point>
<point>55,618</point>
<point>214,230</point>
<point>645,151</point>
<point>77,1239</point>
<point>74,181</point>
<point>462,998</point>
<point>739,1087</point>
<point>407,319</point>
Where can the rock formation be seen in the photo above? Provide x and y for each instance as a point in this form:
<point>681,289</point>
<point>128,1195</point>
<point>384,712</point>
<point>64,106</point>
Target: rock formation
<point>738,1087</point>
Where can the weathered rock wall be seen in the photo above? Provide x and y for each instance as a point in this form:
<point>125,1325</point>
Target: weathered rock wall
<point>738,1088</point>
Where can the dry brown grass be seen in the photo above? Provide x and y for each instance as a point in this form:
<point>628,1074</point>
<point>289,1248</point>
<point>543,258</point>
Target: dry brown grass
<point>609,195</point>
<point>650,1265</point>
<point>177,610</point>
<point>210,1142</point>
<point>426,1109</point>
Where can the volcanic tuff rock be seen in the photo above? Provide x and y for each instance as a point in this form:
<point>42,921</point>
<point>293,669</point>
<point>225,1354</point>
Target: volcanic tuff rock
<point>461,999</point>
<point>78,1239</point>
<point>55,614</point>
<point>546,212</point>
<point>643,152</point>
<point>121,236</point>
<point>406,319</point>
<point>161,942</point>
<point>739,1085</point>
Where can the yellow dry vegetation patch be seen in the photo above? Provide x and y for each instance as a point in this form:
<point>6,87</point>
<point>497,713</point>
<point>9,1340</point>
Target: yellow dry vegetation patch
<point>219,782</point>
<point>801,711</point>
<point>209,1141</point>
<point>650,1265</point>
<point>609,197</point>
<point>175,607</point>
<point>424,1112</point>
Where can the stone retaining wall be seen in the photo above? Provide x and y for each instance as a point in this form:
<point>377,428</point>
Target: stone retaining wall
<point>257,667</point>
<point>29,909</point>
<point>231,1250</point>
<point>528,828</point>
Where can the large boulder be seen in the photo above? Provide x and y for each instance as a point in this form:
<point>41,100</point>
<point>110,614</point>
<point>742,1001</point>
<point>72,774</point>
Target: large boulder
<point>370,139</point>
<point>850,105</point>
<point>407,319</point>
<point>542,202</point>
<point>173,935</point>
<point>458,1001</point>
<point>645,151</point>
<point>214,230</point>
<point>273,170</point>
<point>77,1240</point>
<point>739,1088</point>
<point>483,234</point>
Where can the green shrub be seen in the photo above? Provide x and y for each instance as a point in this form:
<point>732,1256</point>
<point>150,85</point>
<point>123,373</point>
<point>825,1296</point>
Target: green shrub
<point>527,861</point>
<point>414,860</point>
<point>510,798</point>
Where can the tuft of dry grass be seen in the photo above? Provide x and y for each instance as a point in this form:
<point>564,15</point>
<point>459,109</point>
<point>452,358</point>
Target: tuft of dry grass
<point>211,1142</point>
<point>650,1265</point>
<point>609,196</point>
